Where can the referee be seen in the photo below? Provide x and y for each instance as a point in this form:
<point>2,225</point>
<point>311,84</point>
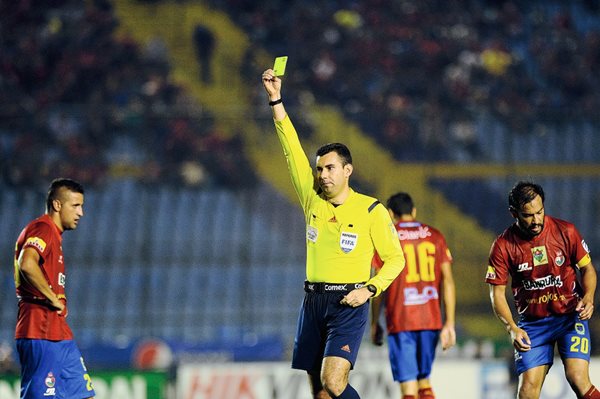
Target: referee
<point>343,229</point>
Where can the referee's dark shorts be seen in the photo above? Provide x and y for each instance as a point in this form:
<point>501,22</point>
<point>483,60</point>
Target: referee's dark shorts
<point>326,327</point>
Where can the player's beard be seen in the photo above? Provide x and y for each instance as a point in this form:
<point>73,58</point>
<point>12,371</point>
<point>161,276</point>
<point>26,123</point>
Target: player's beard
<point>530,232</point>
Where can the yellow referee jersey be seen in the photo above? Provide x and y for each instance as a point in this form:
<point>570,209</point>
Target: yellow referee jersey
<point>340,240</point>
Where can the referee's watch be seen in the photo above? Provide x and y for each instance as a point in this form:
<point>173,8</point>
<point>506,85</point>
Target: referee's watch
<point>372,289</point>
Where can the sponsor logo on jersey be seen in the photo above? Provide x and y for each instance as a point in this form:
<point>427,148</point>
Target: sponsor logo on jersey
<point>312,233</point>
<point>559,259</point>
<point>35,242</point>
<point>540,257</point>
<point>412,296</point>
<point>348,241</point>
<point>346,348</point>
<point>420,233</point>
<point>491,273</point>
<point>523,267</point>
<point>543,283</point>
<point>61,279</point>
<point>550,297</point>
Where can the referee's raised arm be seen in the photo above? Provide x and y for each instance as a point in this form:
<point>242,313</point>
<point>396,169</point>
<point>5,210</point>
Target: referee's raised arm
<point>272,85</point>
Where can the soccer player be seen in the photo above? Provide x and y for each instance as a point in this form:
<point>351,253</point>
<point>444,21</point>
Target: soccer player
<point>343,229</point>
<point>543,256</point>
<point>51,364</point>
<point>413,301</point>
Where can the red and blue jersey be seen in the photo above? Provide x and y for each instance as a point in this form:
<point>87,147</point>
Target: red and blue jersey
<point>543,269</point>
<point>413,300</point>
<point>36,319</point>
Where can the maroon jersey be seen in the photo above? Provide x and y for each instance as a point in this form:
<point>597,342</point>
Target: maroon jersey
<point>542,269</point>
<point>36,319</point>
<point>412,301</point>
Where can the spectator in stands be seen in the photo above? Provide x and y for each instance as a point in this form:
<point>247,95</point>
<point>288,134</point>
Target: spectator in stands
<point>204,41</point>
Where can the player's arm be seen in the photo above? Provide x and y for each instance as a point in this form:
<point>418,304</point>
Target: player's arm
<point>585,306</point>
<point>29,268</point>
<point>448,333</point>
<point>376,305</point>
<point>376,327</point>
<point>519,337</point>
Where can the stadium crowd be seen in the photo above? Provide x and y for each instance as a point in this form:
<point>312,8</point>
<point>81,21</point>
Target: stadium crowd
<point>72,90</point>
<point>413,73</point>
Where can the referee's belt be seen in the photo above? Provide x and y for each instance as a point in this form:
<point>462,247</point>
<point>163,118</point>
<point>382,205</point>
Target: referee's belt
<point>326,288</point>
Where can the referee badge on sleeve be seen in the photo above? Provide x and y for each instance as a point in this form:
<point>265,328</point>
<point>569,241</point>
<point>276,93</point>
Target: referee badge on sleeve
<point>311,233</point>
<point>348,241</point>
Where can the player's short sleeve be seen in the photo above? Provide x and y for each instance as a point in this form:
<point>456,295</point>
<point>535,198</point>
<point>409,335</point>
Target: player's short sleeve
<point>497,269</point>
<point>38,237</point>
<point>580,250</point>
<point>446,256</point>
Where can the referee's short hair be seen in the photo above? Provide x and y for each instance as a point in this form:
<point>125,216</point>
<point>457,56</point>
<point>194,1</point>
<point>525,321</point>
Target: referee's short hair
<point>339,148</point>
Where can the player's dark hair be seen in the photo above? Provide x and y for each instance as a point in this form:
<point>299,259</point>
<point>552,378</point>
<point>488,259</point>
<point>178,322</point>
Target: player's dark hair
<point>338,148</point>
<point>56,185</point>
<point>523,193</point>
<point>400,204</point>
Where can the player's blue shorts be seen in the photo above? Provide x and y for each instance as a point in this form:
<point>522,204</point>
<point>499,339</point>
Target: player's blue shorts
<point>412,353</point>
<point>327,328</point>
<point>53,370</point>
<point>571,336</point>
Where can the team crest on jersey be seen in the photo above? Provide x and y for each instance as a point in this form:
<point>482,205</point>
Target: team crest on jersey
<point>50,382</point>
<point>491,273</point>
<point>580,328</point>
<point>35,242</point>
<point>312,233</point>
<point>540,257</point>
<point>348,241</point>
<point>559,259</point>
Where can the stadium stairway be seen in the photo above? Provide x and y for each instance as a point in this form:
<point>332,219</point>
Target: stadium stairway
<point>226,98</point>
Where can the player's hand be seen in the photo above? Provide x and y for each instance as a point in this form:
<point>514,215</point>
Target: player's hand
<point>357,297</point>
<point>272,84</point>
<point>58,304</point>
<point>65,310</point>
<point>520,339</point>
<point>585,308</point>
<point>448,337</point>
<point>377,334</point>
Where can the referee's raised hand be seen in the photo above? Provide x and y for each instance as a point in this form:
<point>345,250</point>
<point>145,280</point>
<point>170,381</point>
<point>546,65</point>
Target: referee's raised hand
<point>272,85</point>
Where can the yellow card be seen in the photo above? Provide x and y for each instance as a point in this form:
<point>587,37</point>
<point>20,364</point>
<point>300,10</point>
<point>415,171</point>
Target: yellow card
<point>279,67</point>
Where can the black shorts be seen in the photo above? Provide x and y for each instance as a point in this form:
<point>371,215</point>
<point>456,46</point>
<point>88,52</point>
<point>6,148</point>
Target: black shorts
<point>327,328</point>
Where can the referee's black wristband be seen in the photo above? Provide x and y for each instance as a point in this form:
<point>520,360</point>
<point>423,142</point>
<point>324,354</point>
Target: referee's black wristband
<point>271,103</point>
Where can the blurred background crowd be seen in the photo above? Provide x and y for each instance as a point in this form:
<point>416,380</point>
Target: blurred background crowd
<point>79,101</point>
